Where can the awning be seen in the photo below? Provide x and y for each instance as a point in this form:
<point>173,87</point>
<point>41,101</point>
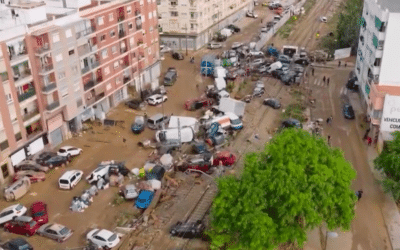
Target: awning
<point>378,23</point>
<point>375,41</point>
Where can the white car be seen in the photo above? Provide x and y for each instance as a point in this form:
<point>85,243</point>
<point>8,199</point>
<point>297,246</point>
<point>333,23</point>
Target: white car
<point>69,151</point>
<point>165,49</point>
<point>214,45</point>
<point>251,14</point>
<point>11,212</point>
<point>103,238</point>
<point>156,99</point>
<point>256,53</point>
<point>236,45</point>
<point>98,173</point>
<point>264,29</point>
<point>323,19</point>
<point>69,179</point>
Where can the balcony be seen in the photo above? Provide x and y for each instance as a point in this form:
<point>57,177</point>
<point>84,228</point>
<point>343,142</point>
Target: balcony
<point>46,69</point>
<point>98,97</point>
<point>123,50</point>
<point>85,69</point>
<point>137,12</point>
<point>126,79</point>
<point>121,18</point>
<point>138,27</point>
<point>85,49</point>
<point>53,105</point>
<point>48,88</point>
<point>90,84</point>
<point>17,58</point>
<point>30,115</point>
<point>121,34</point>
<point>22,97</point>
<point>4,76</point>
<point>42,50</point>
<point>24,77</point>
<point>95,64</point>
<point>85,32</point>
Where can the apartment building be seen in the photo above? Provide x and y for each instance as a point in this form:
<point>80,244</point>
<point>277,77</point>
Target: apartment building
<point>65,62</point>
<point>376,67</point>
<point>190,24</point>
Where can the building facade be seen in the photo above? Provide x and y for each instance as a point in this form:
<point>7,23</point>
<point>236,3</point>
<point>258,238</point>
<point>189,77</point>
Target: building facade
<point>72,61</point>
<point>377,57</point>
<point>190,24</point>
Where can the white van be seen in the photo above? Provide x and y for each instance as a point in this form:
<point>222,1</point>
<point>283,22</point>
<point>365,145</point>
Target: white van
<point>69,179</point>
<point>224,121</point>
<point>219,83</point>
<point>274,66</point>
<point>184,121</point>
<point>187,135</point>
<point>219,72</point>
<point>236,123</point>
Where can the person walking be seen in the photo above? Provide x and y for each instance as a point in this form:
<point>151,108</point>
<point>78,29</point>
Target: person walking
<point>323,79</point>
<point>369,140</point>
<point>345,64</point>
<point>312,71</point>
<point>124,141</point>
<point>359,194</point>
<point>366,133</point>
<point>339,64</point>
<point>329,120</point>
<point>327,81</point>
<point>329,140</point>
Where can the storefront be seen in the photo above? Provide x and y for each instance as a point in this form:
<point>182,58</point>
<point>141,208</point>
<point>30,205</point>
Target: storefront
<point>54,126</point>
<point>390,119</point>
<point>29,149</point>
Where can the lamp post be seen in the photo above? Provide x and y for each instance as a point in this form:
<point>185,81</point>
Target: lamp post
<point>186,29</point>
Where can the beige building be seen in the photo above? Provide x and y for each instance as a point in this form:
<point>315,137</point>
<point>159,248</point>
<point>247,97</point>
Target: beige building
<point>195,22</point>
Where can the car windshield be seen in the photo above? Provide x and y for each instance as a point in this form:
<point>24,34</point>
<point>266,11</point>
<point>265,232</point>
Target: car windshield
<point>32,223</point>
<point>64,231</point>
<point>62,151</point>
<point>112,238</point>
<point>38,214</point>
<point>23,247</point>
<point>19,207</point>
<point>99,169</point>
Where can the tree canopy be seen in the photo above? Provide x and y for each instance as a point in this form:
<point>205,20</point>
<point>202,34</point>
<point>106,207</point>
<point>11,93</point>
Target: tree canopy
<point>389,162</point>
<point>294,185</point>
<point>348,27</point>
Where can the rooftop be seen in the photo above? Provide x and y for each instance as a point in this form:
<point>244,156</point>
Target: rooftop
<point>391,5</point>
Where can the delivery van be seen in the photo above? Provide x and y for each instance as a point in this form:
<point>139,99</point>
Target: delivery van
<point>187,135</point>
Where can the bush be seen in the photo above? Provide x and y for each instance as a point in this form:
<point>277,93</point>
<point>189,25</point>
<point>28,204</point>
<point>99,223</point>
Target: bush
<point>230,86</point>
<point>295,111</point>
<point>118,200</point>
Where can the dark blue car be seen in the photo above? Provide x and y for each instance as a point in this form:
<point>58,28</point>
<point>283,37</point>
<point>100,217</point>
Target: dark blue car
<point>138,126</point>
<point>144,199</point>
<point>348,111</point>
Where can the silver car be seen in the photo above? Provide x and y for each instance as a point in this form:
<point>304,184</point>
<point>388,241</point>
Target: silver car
<point>214,45</point>
<point>54,231</point>
<point>129,191</point>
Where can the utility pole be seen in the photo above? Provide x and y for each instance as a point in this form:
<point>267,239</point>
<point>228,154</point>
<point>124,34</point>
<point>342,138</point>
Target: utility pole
<point>186,38</point>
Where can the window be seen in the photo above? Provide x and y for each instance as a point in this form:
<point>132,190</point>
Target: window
<point>8,98</point>
<point>377,62</point>
<point>71,52</point>
<point>100,20</point>
<point>61,75</point>
<point>112,33</point>
<point>114,49</point>
<point>116,65</point>
<point>129,10</point>
<point>102,38</point>
<point>18,136</point>
<point>56,38</point>
<point>108,87</point>
<point>111,17</point>
<point>104,53</point>
<point>59,58</point>
<point>192,26</point>
<point>4,170</point>
<point>79,102</point>
<point>149,51</point>
<point>174,13</point>
<point>68,33</point>
<point>106,70</point>
<point>64,91</point>
<point>160,16</point>
<point>4,145</point>
<point>150,15</point>
<point>77,86</point>
<point>174,2</point>
<point>130,26</point>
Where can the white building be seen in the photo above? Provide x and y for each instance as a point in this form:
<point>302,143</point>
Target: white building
<point>378,57</point>
<point>195,22</point>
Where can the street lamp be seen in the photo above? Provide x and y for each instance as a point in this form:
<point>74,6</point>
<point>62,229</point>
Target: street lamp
<point>186,38</point>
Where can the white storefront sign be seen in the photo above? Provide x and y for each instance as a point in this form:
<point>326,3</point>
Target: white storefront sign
<point>18,157</point>
<point>342,53</point>
<point>36,146</point>
<point>391,114</point>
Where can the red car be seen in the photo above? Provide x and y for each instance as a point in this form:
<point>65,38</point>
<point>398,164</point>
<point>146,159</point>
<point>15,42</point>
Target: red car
<point>227,158</point>
<point>39,212</point>
<point>32,175</point>
<point>195,104</point>
<point>23,225</point>
<point>198,162</point>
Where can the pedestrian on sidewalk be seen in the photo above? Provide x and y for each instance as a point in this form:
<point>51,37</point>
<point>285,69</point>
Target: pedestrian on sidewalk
<point>312,71</point>
<point>327,81</point>
<point>261,20</point>
<point>323,79</point>
<point>369,140</point>
<point>366,133</point>
<point>124,141</point>
<point>345,64</point>
<point>339,64</point>
<point>329,140</point>
<point>329,120</point>
<point>359,193</point>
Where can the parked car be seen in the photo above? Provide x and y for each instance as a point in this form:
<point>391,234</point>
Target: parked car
<point>251,14</point>
<point>32,175</point>
<point>289,78</point>
<point>201,162</point>
<point>157,121</point>
<point>214,45</point>
<point>234,28</point>
<point>118,168</point>
<point>70,179</point>
<point>69,151</point>
<point>54,231</point>
<point>323,19</point>
<point>138,126</point>
<point>39,212</point>
<point>144,199</point>
<point>256,53</point>
<point>11,212</point>
<point>232,53</point>
<point>257,62</point>
<point>133,104</point>
<point>156,99</point>
<point>170,77</point>
<point>44,156</point>
<point>129,192</point>
<point>263,69</point>
<point>236,45</point>
<point>177,56</point>
<point>195,104</point>
<point>188,229</point>
<point>157,173</point>
<point>17,189</point>
<point>291,123</point>
<point>283,59</point>
<point>265,29</point>
<point>220,38</point>
<point>231,75</point>
<point>98,173</point>
<point>23,225</point>
<point>272,102</point>
<point>259,89</point>
<point>30,165</point>
<point>17,244</point>
<point>57,160</point>
<point>103,238</point>
<point>270,24</point>
<point>348,111</point>
<point>226,157</point>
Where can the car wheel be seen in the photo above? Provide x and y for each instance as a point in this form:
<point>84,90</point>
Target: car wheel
<point>193,232</point>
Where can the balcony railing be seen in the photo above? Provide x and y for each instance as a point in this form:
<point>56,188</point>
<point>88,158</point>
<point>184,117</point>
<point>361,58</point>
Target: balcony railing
<point>137,12</point>
<point>95,64</point>
<point>29,115</point>
<point>24,74</point>
<point>123,50</point>
<point>26,95</point>
<point>121,18</point>
<point>85,32</point>
<point>53,105</point>
<point>46,68</point>
<point>126,79</point>
<point>98,97</point>
<point>49,87</point>
<point>4,76</point>
<point>43,49</point>
<point>15,57</point>
<point>138,27</point>
<point>90,84</point>
<point>85,69</point>
<point>121,33</point>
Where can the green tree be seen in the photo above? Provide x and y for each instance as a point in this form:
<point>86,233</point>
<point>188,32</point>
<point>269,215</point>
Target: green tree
<point>292,186</point>
<point>389,162</point>
<point>348,27</point>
